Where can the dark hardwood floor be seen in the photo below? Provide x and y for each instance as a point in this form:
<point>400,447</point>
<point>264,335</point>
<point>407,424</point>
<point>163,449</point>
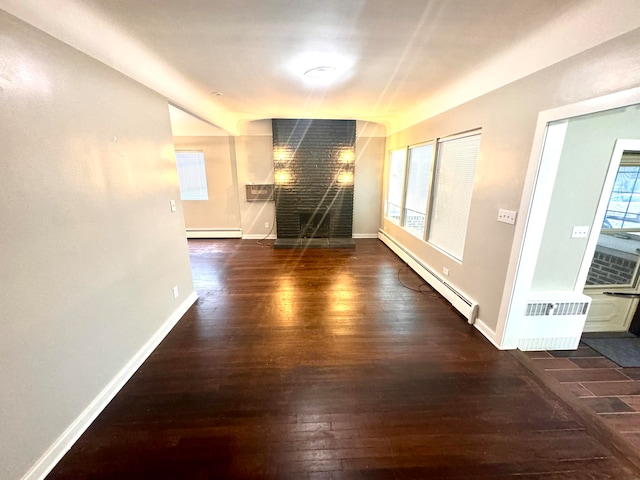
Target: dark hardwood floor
<point>318,364</point>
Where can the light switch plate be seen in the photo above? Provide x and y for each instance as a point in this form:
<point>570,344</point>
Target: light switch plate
<point>173,205</point>
<point>507,216</point>
<point>580,232</point>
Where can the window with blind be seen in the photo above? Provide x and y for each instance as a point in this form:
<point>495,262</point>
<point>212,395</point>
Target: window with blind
<point>191,175</point>
<point>452,187</point>
<point>395,185</point>
<point>418,187</point>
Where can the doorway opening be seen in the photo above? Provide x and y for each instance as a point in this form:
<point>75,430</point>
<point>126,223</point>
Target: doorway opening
<point>562,192</point>
<point>612,279</point>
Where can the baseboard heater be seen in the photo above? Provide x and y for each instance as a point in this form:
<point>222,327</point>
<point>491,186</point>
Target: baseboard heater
<point>214,233</point>
<point>461,302</point>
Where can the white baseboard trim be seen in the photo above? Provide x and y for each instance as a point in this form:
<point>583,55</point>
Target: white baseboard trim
<point>61,446</point>
<point>490,334</point>
<point>460,301</point>
<point>258,236</point>
<point>214,233</point>
<point>365,235</point>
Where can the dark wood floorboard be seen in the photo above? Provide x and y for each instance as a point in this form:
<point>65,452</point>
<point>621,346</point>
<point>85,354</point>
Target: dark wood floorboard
<point>319,365</point>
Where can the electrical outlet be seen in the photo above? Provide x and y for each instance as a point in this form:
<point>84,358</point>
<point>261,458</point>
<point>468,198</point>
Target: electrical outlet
<point>506,216</point>
<point>175,292</point>
<point>266,224</point>
<point>580,232</point>
<point>445,270</point>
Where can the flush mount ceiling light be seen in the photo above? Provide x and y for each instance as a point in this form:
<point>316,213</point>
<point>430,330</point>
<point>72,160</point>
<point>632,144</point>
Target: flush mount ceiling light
<point>324,72</point>
<point>320,68</point>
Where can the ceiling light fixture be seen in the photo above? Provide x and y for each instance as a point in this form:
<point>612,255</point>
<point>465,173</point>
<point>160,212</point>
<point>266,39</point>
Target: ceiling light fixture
<point>320,68</point>
<point>323,72</point>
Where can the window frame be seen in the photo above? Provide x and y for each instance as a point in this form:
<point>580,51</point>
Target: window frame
<point>432,189</point>
<point>422,235</point>
<point>403,187</point>
<point>437,162</point>
<point>634,162</point>
<point>203,192</point>
<point>625,161</point>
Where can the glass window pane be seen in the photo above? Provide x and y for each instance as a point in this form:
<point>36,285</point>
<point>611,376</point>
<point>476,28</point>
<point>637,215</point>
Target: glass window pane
<point>414,221</point>
<point>396,177</point>
<point>395,185</point>
<point>192,176</point>
<point>623,210</point>
<point>418,185</point>
<point>419,178</point>
<point>452,188</point>
<point>616,258</point>
<point>393,212</point>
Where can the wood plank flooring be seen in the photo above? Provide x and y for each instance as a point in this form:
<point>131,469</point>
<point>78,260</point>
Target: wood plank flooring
<point>318,364</point>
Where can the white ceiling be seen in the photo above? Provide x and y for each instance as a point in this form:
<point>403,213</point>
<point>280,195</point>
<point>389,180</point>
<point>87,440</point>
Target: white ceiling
<point>401,61</point>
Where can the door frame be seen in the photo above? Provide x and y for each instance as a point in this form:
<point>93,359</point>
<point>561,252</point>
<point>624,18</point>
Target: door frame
<point>622,145</point>
<point>535,200</point>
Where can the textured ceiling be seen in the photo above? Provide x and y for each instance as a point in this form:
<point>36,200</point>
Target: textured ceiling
<point>399,61</point>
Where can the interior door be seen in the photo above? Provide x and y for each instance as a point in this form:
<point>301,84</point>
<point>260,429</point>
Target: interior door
<point>612,281</point>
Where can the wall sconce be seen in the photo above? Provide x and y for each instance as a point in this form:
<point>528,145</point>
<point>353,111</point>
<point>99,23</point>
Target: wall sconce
<point>347,156</point>
<point>345,177</point>
<point>282,177</point>
<point>282,155</point>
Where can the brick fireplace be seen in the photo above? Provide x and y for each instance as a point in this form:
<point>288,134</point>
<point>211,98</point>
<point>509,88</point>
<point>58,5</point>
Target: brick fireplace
<point>314,172</point>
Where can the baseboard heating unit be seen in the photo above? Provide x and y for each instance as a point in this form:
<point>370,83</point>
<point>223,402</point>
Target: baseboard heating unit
<point>461,302</point>
<point>214,233</point>
<point>553,321</point>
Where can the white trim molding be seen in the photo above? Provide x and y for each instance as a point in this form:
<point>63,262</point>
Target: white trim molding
<point>489,333</point>
<point>214,233</point>
<point>61,446</point>
<point>365,235</point>
<point>458,299</point>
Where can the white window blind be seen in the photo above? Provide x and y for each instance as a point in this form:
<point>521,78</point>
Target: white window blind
<point>192,175</point>
<point>452,188</point>
<point>418,184</point>
<point>395,186</point>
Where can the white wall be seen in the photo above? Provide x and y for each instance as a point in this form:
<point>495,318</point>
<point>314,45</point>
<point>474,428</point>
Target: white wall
<point>508,117</point>
<point>367,187</point>
<point>221,210</point>
<point>248,158</point>
<point>254,161</point>
<point>89,249</point>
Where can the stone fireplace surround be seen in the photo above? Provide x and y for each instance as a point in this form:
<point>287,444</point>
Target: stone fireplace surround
<point>314,171</point>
